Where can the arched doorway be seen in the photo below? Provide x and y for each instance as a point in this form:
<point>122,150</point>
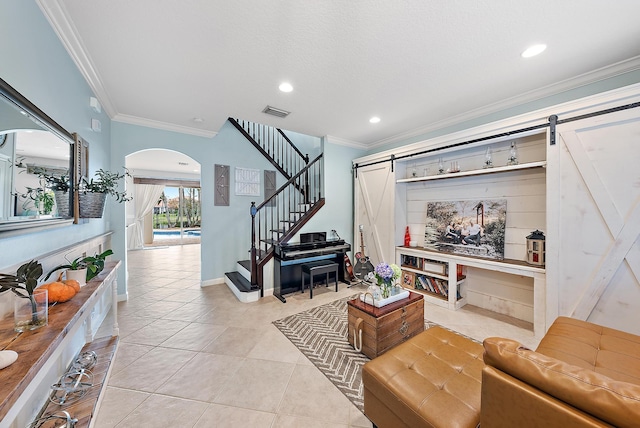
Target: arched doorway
<point>166,206</point>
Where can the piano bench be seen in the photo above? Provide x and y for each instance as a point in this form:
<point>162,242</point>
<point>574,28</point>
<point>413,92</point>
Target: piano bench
<point>317,268</point>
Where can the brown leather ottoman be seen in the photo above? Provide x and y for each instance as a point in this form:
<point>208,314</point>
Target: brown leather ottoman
<point>431,380</point>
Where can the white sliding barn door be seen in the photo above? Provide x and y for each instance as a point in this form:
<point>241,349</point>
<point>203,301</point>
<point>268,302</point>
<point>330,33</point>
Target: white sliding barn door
<point>374,191</point>
<point>593,267</point>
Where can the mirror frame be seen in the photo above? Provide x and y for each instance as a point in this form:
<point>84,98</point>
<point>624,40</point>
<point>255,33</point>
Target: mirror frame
<point>12,96</point>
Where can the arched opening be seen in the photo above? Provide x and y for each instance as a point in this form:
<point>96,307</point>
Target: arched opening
<point>166,206</point>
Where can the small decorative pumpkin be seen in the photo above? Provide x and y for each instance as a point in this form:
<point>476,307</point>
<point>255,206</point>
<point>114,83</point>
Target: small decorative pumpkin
<point>61,291</point>
<point>72,283</point>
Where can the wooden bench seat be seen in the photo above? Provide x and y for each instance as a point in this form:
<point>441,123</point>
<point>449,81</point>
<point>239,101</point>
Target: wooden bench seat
<point>318,268</point>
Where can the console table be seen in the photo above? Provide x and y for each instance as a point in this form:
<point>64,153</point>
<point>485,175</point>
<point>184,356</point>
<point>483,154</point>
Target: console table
<point>44,354</point>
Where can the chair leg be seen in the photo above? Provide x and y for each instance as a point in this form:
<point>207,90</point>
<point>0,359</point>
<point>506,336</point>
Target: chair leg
<point>336,273</point>
<point>310,285</point>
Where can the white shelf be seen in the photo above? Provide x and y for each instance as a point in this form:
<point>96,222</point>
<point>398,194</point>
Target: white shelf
<point>539,164</point>
<point>516,267</point>
<point>425,272</point>
<point>453,282</point>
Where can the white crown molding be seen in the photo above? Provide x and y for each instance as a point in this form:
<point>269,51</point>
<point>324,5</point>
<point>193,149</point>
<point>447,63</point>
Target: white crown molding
<point>622,67</point>
<point>134,120</point>
<point>592,103</point>
<point>59,20</point>
<point>344,142</point>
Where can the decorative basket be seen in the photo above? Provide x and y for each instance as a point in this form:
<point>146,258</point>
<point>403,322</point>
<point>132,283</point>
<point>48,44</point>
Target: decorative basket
<point>62,202</point>
<point>91,204</point>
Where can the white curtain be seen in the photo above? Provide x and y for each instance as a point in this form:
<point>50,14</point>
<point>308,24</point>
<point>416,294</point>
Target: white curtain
<point>145,198</point>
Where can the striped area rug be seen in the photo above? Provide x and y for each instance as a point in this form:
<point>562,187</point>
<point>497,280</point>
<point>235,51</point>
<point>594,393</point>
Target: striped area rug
<point>321,335</point>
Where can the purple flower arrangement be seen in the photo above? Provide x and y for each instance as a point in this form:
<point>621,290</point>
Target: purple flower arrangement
<point>386,275</point>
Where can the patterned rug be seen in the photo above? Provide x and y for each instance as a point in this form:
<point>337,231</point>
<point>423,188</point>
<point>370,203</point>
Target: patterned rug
<point>321,335</point>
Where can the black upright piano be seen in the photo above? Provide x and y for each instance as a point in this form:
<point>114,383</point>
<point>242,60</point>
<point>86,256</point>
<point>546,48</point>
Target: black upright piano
<point>290,256</point>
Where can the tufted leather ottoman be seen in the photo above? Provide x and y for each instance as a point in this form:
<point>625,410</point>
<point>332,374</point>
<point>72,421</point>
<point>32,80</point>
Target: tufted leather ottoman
<point>431,380</point>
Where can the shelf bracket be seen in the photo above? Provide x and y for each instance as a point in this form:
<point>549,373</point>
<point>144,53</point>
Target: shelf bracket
<point>393,158</point>
<point>553,121</point>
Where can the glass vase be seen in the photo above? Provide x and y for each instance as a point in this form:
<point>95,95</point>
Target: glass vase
<point>385,289</point>
<point>31,312</point>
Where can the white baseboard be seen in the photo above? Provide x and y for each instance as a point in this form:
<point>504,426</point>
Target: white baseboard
<point>214,281</point>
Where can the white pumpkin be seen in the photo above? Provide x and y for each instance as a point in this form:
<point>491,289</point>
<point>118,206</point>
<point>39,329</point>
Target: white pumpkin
<point>7,358</point>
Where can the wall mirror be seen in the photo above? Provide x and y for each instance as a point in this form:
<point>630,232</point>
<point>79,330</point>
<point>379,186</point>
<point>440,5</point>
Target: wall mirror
<point>35,154</point>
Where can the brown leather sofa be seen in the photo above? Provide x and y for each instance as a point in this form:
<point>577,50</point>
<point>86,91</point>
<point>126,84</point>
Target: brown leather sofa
<point>581,375</point>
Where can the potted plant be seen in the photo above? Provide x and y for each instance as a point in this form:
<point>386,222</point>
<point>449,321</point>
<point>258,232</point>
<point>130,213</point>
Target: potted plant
<point>75,269</point>
<point>95,264</point>
<point>43,199</point>
<point>93,192</point>
<point>83,269</point>
<point>60,185</point>
<point>23,284</point>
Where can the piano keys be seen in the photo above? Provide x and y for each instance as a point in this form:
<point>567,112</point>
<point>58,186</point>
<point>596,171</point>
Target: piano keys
<point>289,257</point>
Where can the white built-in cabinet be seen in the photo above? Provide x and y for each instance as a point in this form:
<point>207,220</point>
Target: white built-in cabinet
<point>583,192</point>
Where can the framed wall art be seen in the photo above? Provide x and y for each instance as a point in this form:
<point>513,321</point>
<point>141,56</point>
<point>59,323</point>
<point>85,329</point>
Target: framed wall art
<point>247,182</point>
<point>472,227</point>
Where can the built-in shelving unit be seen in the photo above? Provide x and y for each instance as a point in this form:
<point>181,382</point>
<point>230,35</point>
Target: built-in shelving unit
<point>492,170</point>
<point>424,262</point>
<point>440,280</point>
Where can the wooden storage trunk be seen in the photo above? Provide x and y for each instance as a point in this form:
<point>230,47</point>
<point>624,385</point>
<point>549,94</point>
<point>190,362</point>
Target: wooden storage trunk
<point>385,327</point>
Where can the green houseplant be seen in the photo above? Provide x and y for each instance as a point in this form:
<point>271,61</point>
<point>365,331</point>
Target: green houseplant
<point>60,185</point>
<point>95,264</point>
<point>92,265</point>
<point>42,198</point>
<point>93,192</point>
<point>24,285</point>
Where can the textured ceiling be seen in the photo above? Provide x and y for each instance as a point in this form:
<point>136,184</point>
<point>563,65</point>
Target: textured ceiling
<point>417,64</point>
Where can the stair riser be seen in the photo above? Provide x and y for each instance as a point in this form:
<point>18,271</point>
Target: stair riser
<point>253,296</point>
<point>245,273</point>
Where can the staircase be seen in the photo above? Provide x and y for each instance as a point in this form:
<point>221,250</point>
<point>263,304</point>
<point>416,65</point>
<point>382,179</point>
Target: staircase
<point>278,218</point>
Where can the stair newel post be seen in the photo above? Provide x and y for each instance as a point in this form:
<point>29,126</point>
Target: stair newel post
<point>254,267</point>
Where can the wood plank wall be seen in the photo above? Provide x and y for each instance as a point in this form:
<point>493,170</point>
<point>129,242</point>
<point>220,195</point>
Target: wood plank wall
<point>525,192</point>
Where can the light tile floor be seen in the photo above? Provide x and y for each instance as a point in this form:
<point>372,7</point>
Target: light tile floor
<point>197,357</point>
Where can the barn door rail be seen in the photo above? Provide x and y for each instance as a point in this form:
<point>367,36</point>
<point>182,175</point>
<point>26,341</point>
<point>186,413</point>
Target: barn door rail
<point>552,122</point>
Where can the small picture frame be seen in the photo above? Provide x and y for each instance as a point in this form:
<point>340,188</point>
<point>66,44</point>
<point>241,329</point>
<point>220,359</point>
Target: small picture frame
<point>408,279</point>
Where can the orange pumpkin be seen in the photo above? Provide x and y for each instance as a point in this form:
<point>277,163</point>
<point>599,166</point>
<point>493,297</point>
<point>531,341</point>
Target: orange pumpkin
<point>61,291</point>
<point>72,283</point>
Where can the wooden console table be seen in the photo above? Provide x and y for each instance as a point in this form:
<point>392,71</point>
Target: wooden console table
<point>44,354</point>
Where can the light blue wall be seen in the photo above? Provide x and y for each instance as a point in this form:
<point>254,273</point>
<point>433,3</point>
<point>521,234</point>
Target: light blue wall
<point>226,230</point>
<point>307,144</point>
<point>604,85</point>
<point>338,210</point>
<point>36,64</point>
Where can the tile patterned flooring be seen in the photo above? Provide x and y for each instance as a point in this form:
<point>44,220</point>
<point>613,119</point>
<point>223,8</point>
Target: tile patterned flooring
<point>197,357</point>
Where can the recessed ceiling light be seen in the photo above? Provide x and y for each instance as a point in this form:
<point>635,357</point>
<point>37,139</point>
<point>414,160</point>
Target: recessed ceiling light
<point>533,51</point>
<point>285,87</point>
<point>374,119</point>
